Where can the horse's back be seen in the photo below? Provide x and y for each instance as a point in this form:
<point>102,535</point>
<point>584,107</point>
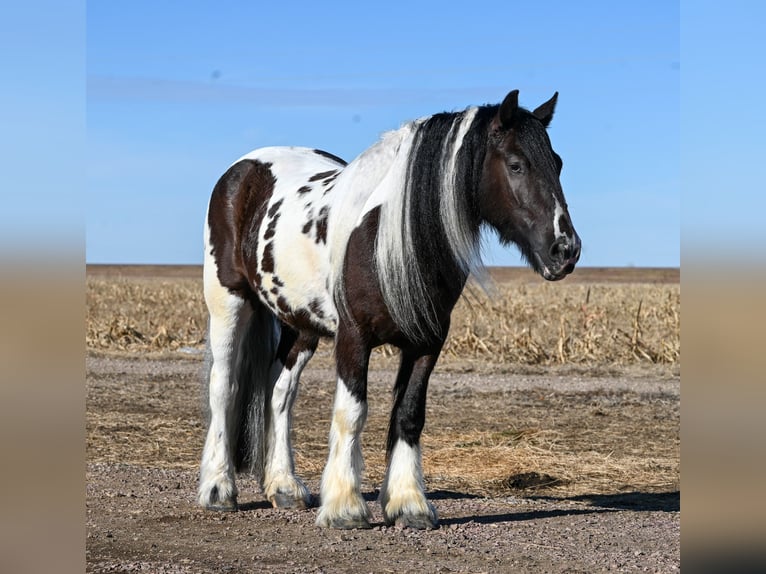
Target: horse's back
<point>267,232</point>
<point>294,163</point>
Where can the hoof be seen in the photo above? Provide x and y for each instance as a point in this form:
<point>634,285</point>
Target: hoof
<point>221,507</point>
<point>219,503</point>
<point>423,519</point>
<point>349,523</point>
<point>418,522</point>
<point>289,502</point>
<point>344,521</point>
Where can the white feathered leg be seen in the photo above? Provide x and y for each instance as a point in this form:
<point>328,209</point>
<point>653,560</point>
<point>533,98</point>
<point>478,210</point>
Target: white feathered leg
<point>229,317</point>
<point>280,485</point>
<point>342,503</point>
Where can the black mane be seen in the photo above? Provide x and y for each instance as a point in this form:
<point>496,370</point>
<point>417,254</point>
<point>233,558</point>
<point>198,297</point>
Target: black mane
<point>425,187</point>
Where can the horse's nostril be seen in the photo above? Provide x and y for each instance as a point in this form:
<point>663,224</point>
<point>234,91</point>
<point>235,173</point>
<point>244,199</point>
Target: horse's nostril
<point>560,249</point>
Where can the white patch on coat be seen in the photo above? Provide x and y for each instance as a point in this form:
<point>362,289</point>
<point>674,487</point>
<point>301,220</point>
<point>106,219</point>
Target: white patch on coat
<point>301,263</point>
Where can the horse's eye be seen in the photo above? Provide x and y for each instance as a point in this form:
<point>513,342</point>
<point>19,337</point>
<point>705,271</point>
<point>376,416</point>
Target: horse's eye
<point>515,167</point>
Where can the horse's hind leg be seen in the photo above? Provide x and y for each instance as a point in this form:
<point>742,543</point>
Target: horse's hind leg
<point>402,495</point>
<point>229,318</point>
<point>280,485</point>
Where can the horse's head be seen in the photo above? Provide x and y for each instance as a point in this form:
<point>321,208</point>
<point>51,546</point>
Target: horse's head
<point>520,193</point>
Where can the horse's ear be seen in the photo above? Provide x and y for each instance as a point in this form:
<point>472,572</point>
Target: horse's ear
<point>545,111</point>
<point>508,108</point>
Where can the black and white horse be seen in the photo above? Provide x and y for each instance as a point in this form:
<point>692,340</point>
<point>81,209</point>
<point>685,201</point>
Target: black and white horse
<point>299,245</point>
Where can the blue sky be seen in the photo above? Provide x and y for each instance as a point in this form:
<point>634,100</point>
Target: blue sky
<point>177,91</point>
<point>120,128</point>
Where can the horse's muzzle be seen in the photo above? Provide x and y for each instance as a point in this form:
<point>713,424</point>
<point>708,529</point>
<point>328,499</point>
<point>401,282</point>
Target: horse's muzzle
<point>563,255</point>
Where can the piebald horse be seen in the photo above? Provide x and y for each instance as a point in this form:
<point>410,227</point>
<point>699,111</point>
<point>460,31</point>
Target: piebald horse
<point>300,245</point>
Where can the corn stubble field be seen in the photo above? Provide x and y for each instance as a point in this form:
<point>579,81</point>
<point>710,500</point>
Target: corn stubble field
<point>556,444</point>
<point>516,322</point>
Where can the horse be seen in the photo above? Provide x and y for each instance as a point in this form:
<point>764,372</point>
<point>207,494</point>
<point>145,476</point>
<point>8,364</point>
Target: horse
<point>300,245</point>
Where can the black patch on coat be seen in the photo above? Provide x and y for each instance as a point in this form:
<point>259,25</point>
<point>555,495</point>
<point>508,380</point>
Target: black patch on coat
<point>316,308</point>
<point>321,224</point>
<point>271,229</point>
<point>237,208</point>
<point>330,156</point>
<point>282,305</point>
<point>323,174</point>
<point>275,207</point>
<point>267,262</point>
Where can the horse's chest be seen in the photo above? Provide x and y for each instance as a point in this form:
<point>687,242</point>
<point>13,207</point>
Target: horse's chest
<point>293,261</point>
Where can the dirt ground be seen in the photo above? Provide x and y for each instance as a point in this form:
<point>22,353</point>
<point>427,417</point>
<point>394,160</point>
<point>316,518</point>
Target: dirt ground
<point>531,470</point>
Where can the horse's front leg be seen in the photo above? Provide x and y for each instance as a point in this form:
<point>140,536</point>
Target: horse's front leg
<point>402,495</point>
<point>342,503</point>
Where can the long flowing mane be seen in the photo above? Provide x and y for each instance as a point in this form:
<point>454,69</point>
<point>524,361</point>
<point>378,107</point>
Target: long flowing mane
<point>429,227</point>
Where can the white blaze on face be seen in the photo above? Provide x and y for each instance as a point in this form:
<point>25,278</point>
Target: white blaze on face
<point>558,213</point>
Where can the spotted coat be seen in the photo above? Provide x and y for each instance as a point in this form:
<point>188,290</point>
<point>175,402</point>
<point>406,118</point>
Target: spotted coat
<point>287,262</point>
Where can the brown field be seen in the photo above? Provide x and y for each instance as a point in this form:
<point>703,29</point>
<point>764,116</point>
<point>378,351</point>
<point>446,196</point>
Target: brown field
<point>553,423</point>
<point>500,274</point>
<point>596,318</point>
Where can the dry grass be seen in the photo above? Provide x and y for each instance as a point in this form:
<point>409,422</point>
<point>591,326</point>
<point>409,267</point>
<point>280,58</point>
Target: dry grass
<point>520,323</point>
<point>144,314</point>
<point>594,324</point>
<point>557,458</point>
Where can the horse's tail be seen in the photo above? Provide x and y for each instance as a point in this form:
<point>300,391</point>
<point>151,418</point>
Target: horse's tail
<point>256,374</point>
